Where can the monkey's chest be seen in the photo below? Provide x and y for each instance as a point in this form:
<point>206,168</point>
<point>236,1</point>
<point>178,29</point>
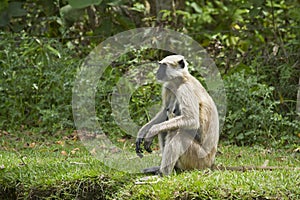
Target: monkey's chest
<point>173,110</point>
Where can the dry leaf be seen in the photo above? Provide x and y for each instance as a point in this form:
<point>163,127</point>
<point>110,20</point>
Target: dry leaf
<point>60,143</point>
<point>93,151</point>
<point>121,140</point>
<point>64,153</point>
<point>75,150</point>
<point>32,145</point>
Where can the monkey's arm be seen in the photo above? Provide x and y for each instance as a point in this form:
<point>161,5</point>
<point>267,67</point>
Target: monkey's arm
<point>189,118</point>
<point>173,124</point>
<point>160,117</point>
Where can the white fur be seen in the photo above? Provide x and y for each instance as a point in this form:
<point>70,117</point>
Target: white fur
<point>172,62</point>
<point>198,116</point>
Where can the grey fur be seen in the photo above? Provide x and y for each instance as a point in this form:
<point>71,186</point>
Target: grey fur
<point>187,125</point>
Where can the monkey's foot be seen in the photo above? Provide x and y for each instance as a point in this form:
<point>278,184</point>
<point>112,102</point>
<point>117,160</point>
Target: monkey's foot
<point>152,170</point>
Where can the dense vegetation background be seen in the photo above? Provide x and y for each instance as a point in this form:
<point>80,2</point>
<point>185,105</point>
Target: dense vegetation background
<point>255,45</point>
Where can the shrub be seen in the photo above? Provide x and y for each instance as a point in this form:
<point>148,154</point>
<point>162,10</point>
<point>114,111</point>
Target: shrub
<point>252,116</point>
<point>36,84</point>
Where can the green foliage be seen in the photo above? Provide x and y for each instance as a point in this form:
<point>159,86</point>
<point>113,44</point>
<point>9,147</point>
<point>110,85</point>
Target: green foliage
<point>59,19</point>
<point>42,43</point>
<point>255,45</point>
<point>143,96</point>
<point>252,113</point>
<point>9,10</point>
<point>36,82</point>
<point>83,4</point>
<point>260,38</point>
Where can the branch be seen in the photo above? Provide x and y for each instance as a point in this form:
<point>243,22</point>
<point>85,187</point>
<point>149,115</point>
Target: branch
<point>248,168</point>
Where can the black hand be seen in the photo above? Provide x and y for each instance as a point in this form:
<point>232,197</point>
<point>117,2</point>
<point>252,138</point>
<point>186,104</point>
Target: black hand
<point>138,149</point>
<point>147,145</point>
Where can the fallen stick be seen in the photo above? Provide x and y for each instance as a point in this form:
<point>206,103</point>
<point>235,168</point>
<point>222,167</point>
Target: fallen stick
<point>148,180</point>
<point>249,168</point>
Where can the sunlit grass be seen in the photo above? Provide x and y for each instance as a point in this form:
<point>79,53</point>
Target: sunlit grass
<point>62,167</point>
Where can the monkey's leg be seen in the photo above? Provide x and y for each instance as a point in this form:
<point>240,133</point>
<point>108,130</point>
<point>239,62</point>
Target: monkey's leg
<point>196,157</point>
<point>173,149</point>
<point>156,170</point>
<point>182,151</point>
<point>162,141</point>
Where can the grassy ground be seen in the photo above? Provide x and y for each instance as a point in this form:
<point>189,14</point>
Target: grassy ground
<point>60,167</point>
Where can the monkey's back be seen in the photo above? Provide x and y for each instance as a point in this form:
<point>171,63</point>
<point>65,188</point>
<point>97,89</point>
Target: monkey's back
<point>208,115</point>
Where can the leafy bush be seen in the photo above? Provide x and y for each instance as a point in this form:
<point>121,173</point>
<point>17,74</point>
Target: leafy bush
<point>36,84</point>
<point>38,68</point>
<point>252,116</point>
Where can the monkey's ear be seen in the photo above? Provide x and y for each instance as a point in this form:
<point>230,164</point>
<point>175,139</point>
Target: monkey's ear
<point>181,63</point>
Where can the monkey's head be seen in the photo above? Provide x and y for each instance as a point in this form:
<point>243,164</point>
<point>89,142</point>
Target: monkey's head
<point>174,66</point>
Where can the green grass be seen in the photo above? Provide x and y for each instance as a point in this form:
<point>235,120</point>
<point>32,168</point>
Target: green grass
<point>59,167</point>
<point>220,185</point>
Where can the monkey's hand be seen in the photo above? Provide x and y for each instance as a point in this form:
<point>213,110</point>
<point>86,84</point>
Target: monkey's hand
<point>139,140</point>
<point>147,144</point>
<point>138,149</point>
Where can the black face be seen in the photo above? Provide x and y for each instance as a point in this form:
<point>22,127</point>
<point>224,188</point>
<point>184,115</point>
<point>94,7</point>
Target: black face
<point>161,72</point>
<point>181,63</point>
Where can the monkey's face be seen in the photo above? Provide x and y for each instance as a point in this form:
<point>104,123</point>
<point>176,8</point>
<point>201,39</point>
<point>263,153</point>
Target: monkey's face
<point>171,67</point>
<point>162,72</point>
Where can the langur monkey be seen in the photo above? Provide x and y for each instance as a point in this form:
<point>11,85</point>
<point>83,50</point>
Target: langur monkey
<point>187,124</point>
